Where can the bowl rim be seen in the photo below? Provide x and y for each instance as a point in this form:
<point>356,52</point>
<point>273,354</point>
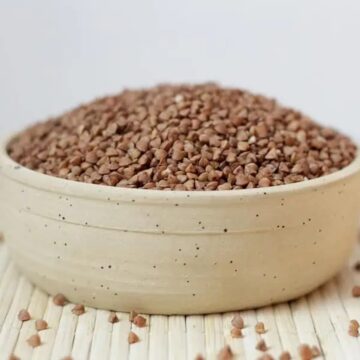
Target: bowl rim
<point>31,178</point>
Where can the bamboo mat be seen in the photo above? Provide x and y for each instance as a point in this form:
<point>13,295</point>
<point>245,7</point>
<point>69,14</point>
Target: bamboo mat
<point>320,319</point>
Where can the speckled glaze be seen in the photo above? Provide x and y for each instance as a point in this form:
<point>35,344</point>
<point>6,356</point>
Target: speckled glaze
<point>177,252</point>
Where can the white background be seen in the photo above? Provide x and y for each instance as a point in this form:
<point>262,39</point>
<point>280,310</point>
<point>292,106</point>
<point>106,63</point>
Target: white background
<point>55,54</point>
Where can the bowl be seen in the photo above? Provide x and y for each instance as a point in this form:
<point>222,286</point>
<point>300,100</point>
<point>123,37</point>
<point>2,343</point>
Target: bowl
<point>177,252</point>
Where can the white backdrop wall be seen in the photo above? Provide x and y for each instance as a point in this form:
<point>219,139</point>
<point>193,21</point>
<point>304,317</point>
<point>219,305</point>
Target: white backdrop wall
<point>55,54</point>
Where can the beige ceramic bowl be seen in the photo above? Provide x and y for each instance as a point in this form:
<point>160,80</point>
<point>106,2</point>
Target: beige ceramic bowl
<point>177,252</point>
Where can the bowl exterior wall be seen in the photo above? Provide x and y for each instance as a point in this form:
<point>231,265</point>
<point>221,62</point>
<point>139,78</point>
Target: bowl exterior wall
<point>179,254</point>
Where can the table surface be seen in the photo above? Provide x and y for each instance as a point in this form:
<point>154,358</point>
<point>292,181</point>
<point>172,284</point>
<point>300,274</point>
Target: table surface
<point>320,319</point>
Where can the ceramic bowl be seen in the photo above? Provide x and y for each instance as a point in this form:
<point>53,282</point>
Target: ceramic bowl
<point>177,252</point>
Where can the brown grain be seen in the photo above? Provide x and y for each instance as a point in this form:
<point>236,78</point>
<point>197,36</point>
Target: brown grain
<point>41,325</point>
<point>353,328</point>
<point>260,328</point>
<point>34,341</point>
<point>285,356</point>
<point>113,318</point>
<point>139,321</point>
<point>261,345</point>
<point>13,357</point>
<point>236,333</point>
<point>24,315</point>
<point>266,357</point>
<point>356,291</point>
<point>225,353</point>
<point>199,357</point>
<point>355,324</point>
<point>133,338</point>
<point>78,309</point>
<point>237,322</point>
<point>305,352</point>
<point>60,300</point>
<point>353,332</point>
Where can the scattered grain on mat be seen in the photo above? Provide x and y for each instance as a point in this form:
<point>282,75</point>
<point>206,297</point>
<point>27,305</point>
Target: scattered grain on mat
<point>353,329</point>
<point>354,323</point>
<point>236,333</point>
<point>225,353</point>
<point>285,355</point>
<point>34,341</point>
<point>260,328</point>
<point>13,357</point>
<point>41,325</point>
<point>78,309</point>
<point>261,345</point>
<point>133,338</point>
<point>60,300</point>
<point>24,315</point>
<point>237,321</point>
<point>139,321</point>
<point>199,357</point>
<point>305,352</point>
<point>356,291</point>
<point>266,357</point>
<point>113,318</point>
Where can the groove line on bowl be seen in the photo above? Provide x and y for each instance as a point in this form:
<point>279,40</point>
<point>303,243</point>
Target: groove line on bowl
<point>256,229</point>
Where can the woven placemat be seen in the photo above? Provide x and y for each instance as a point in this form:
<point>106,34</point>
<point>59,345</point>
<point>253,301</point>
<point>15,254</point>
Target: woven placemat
<point>319,319</point>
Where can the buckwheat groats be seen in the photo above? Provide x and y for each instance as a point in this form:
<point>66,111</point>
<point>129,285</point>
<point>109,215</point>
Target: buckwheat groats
<point>180,137</point>
<point>133,338</point>
<point>24,315</point>
<point>237,322</point>
<point>113,319</point>
<point>13,357</point>
<point>285,355</point>
<point>261,345</point>
<point>353,328</point>
<point>307,353</point>
<point>236,333</point>
<point>260,328</point>
<point>34,340</point>
<point>60,300</point>
<point>225,353</point>
<point>78,309</point>
<point>139,321</point>
<point>41,325</point>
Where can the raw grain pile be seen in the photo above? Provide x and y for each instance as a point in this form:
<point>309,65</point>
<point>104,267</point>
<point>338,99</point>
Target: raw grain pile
<point>201,137</point>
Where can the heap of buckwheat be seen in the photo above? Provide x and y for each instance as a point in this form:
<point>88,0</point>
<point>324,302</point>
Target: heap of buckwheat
<point>202,137</point>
